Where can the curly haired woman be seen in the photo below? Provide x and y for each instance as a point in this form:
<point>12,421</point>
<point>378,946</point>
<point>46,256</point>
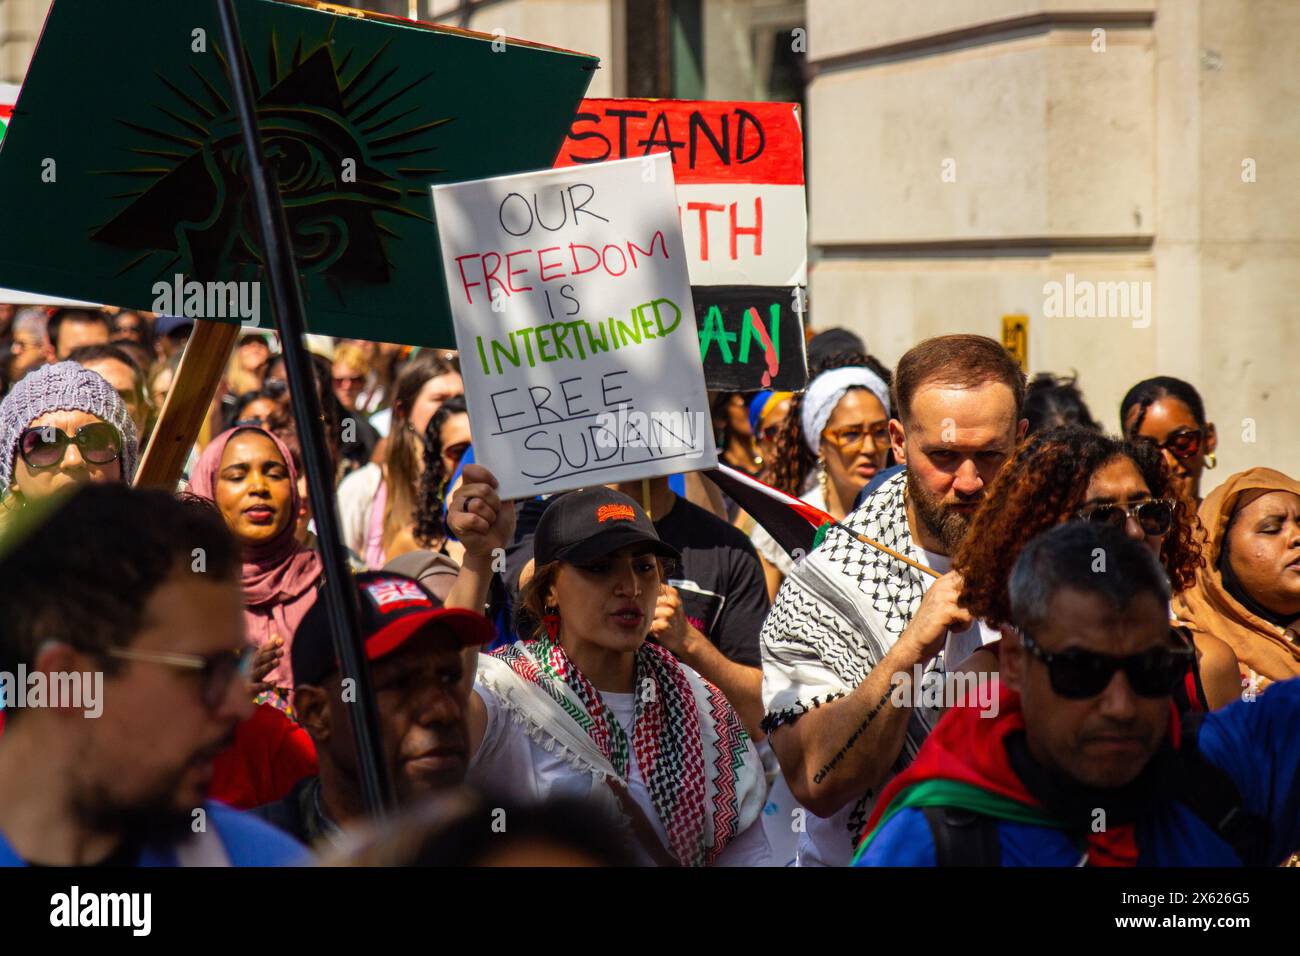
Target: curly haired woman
<point>1069,473</point>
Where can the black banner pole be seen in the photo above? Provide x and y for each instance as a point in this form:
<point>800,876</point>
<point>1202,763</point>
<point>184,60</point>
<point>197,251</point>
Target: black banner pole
<point>287,307</point>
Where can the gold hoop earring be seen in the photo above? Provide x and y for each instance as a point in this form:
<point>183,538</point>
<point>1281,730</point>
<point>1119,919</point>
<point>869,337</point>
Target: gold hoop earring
<point>1211,461</point>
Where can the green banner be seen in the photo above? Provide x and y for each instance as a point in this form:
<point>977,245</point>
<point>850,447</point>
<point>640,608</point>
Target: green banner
<point>128,174</point>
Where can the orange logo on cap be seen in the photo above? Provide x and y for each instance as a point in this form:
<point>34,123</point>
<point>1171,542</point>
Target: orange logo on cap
<point>615,513</point>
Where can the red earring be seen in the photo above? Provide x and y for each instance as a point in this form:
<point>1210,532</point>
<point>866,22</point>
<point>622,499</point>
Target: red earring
<point>551,621</point>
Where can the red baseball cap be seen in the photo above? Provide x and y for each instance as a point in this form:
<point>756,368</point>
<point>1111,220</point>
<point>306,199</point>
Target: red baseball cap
<point>394,608</point>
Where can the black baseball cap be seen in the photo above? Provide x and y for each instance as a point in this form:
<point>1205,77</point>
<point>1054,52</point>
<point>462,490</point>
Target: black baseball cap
<point>584,525</point>
<point>394,608</point>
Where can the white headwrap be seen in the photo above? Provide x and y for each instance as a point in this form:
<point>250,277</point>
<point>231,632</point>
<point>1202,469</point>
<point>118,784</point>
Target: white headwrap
<point>824,393</point>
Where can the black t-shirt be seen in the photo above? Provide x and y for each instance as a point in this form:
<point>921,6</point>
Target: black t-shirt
<point>720,580</point>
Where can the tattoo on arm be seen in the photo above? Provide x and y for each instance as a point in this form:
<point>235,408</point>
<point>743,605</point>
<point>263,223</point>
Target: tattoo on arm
<point>871,715</point>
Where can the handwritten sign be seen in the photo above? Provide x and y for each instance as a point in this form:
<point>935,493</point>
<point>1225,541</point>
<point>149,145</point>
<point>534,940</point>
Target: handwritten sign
<point>741,204</point>
<point>739,174</point>
<point>572,309</point>
<point>751,338</point>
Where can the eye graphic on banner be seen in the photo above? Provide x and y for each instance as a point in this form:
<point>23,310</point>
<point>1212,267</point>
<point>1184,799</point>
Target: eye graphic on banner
<point>358,113</point>
<point>338,175</point>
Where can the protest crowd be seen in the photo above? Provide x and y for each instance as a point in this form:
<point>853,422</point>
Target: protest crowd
<point>418,446</point>
<point>1011,613</point>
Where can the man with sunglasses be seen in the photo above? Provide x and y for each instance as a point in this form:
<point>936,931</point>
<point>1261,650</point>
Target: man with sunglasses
<point>143,589</point>
<point>1088,761</point>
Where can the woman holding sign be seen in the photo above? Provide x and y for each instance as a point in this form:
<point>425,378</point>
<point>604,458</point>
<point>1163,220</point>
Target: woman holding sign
<point>587,707</point>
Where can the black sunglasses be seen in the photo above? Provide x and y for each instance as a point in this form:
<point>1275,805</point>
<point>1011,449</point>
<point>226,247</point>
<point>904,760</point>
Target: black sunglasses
<point>1182,444</point>
<point>1155,517</point>
<point>1077,674</point>
<point>45,445</point>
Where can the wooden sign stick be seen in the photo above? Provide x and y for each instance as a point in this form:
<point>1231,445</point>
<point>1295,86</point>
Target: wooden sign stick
<point>197,377</point>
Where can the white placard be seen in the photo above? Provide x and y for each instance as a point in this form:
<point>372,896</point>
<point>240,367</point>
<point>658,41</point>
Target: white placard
<point>572,306</point>
<point>751,234</point>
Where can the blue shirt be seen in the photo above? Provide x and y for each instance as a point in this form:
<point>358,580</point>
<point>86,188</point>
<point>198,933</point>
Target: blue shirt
<point>247,841</point>
<point>1254,742</point>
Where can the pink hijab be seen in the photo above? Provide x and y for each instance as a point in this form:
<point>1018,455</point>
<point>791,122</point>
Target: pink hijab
<point>279,576</point>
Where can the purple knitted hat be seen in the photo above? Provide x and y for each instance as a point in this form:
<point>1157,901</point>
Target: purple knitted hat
<point>62,387</point>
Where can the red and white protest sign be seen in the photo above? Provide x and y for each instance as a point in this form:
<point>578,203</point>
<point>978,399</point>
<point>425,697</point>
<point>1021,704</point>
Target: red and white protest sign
<point>739,174</point>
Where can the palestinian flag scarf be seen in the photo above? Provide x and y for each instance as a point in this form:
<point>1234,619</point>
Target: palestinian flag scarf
<point>702,773</point>
<point>982,764</point>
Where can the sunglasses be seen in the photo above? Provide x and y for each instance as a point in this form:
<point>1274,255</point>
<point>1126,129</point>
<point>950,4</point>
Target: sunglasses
<point>45,446</point>
<point>849,439</point>
<point>1182,444</point>
<point>1155,517</point>
<point>215,672</point>
<point>349,380</point>
<point>1077,674</point>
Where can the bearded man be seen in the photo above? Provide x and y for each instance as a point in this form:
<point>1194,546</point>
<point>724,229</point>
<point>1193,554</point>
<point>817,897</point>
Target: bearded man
<point>850,618</point>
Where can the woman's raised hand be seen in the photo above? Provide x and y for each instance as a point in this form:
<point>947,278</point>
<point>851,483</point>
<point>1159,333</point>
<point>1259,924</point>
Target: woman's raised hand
<point>477,516</point>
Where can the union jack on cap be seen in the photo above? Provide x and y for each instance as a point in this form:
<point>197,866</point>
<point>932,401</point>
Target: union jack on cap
<point>389,594</point>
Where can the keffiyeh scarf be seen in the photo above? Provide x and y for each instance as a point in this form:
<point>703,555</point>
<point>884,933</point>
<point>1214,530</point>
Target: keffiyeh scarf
<point>836,616</point>
<point>703,776</point>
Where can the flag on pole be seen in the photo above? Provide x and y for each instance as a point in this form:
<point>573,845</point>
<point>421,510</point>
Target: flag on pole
<point>794,524</point>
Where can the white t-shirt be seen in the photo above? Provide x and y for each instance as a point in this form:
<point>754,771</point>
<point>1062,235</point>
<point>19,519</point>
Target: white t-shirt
<point>510,763</point>
<point>960,644</point>
<point>823,842</point>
